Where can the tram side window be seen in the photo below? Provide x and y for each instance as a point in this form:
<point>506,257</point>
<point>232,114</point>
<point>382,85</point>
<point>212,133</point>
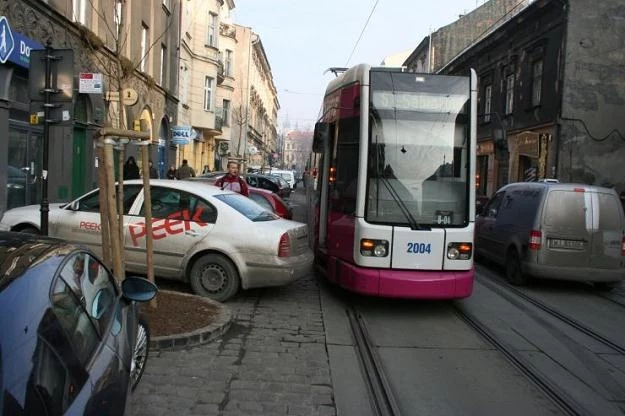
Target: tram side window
<point>346,164</point>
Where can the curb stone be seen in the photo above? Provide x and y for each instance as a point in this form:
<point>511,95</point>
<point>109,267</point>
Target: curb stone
<point>198,337</point>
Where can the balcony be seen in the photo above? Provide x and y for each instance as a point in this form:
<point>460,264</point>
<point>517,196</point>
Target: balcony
<point>221,75</point>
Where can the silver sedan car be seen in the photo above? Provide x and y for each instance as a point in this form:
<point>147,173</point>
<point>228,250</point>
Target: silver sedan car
<point>218,241</point>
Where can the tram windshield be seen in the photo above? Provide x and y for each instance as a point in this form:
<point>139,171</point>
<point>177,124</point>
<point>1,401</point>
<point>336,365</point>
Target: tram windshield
<point>418,159</point>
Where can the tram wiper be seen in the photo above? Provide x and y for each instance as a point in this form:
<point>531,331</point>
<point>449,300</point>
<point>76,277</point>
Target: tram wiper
<point>414,225</point>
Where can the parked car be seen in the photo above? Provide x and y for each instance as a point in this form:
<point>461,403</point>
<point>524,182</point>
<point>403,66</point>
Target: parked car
<point>271,202</point>
<point>265,198</point>
<point>265,182</point>
<point>218,241</point>
<point>71,339</point>
<point>284,188</point>
<point>21,188</point>
<point>554,231</point>
<point>287,175</point>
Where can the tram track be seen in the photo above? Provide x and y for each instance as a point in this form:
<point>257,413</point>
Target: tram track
<point>378,385</point>
<point>504,290</point>
<point>548,387</point>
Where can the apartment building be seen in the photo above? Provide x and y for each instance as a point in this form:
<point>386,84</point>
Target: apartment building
<point>132,46</point>
<point>255,102</point>
<point>207,43</point>
<point>551,95</point>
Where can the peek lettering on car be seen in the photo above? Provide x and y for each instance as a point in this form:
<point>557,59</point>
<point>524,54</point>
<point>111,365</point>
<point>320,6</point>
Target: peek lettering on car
<point>175,223</point>
<point>89,226</point>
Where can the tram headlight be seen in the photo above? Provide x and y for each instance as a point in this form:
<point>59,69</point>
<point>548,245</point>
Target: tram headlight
<point>373,248</point>
<point>459,251</point>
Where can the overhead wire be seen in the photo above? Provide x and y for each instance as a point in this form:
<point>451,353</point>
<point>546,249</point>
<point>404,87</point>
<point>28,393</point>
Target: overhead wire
<point>361,32</point>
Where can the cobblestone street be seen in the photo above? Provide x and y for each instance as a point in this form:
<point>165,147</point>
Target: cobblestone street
<point>272,361</point>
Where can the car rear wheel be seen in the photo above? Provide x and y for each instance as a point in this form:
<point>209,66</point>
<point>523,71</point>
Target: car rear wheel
<point>29,229</point>
<point>140,352</point>
<point>215,277</point>
<point>514,274</point>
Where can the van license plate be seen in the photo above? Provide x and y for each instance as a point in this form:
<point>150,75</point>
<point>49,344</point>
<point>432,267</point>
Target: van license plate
<point>565,244</point>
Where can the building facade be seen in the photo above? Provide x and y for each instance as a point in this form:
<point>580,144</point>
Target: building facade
<point>551,95</point>
<point>255,103</point>
<point>442,45</point>
<point>132,46</point>
<point>206,82</point>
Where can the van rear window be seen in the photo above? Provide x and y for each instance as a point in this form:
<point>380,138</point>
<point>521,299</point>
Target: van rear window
<point>609,212</point>
<point>565,210</point>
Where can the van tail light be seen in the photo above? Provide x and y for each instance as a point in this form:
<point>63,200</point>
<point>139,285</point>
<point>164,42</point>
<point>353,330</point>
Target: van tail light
<point>623,246</point>
<point>284,248</point>
<point>535,237</point>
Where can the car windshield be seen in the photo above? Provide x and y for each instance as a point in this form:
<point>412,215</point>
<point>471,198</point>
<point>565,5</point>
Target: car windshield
<point>250,209</point>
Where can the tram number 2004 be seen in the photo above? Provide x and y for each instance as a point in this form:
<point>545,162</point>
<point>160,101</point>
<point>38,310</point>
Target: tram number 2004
<point>419,248</point>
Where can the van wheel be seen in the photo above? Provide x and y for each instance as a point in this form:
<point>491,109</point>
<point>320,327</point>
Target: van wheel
<point>214,276</point>
<point>514,274</point>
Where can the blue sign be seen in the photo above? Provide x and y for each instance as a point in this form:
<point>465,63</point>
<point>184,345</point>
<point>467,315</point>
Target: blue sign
<point>6,40</point>
<point>15,47</point>
<point>182,134</point>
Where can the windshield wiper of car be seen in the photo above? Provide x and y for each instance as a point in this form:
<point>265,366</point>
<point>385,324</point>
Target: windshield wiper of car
<point>264,216</point>
<point>414,225</point>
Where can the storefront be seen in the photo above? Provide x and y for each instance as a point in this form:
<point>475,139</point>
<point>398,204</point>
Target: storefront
<point>20,142</point>
<point>529,155</point>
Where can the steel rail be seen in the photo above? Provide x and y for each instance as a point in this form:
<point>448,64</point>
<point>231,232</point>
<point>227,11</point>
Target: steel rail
<point>553,312</point>
<point>550,389</point>
<point>379,387</point>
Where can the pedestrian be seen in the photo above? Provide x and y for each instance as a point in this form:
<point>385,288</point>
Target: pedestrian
<point>153,171</point>
<point>131,170</point>
<point>206,170</point>
<point>232,181</point>
<point>185,171</point>
<point>171,172</point>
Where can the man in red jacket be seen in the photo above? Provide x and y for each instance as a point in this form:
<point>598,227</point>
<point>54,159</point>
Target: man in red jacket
<point>232,181</point>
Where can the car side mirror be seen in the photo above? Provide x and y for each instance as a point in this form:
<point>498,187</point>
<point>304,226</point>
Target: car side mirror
<point>138,289</point>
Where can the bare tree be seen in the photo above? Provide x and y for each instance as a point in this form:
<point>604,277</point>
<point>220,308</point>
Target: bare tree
<point>119,69</point>
<point>240,117</point>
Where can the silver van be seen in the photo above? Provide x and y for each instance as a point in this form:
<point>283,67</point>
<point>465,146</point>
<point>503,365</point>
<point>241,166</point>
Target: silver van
<point>555,231</point>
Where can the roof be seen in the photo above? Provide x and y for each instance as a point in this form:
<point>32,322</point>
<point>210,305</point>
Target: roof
<point>193,186</point>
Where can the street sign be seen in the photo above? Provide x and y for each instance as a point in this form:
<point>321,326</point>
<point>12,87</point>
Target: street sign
<point>182,134</point>
<point>90,83</point>
<point>129,96</point>
<point>7,43</point>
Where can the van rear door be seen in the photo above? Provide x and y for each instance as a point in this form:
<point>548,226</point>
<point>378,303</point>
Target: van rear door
<point>608,231</point>
<point>566,228</point>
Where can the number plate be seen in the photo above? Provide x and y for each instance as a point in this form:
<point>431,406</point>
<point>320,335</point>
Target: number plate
<point>565,244</point>
<point>443,217</point>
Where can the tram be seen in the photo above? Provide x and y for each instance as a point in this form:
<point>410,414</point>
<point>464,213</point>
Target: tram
<point>393,200</point>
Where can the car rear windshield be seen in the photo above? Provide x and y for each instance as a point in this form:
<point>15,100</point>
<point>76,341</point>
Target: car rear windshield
<point>250,209</point>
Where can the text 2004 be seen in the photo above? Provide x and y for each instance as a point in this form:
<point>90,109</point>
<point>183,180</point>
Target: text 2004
<point>419,248</point>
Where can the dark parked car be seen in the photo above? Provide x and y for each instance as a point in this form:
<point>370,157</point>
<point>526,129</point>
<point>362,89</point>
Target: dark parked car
<point>71,340</point>
<point>21,188</point>
<point>263,181</point>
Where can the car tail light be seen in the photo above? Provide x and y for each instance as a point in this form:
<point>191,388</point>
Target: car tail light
<point>535,238</point>
<point>623,246</point>
<point>284,248</point>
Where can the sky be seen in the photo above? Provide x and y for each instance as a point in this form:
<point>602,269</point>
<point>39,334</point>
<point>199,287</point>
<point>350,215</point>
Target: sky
<point>303,38</point>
